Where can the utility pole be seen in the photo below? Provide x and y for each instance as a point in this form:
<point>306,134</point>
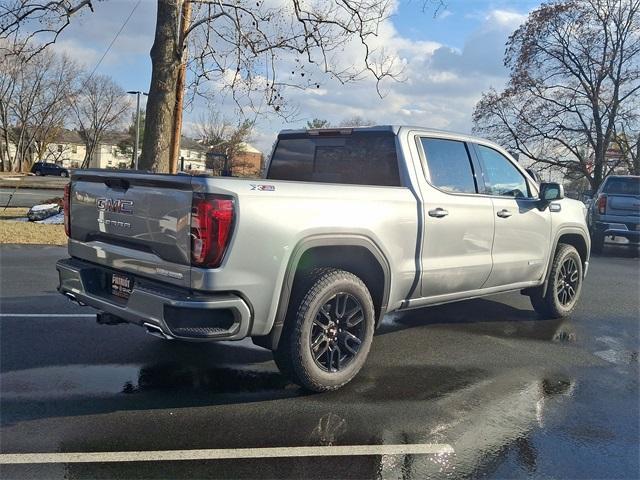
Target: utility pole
<point>185,22</point>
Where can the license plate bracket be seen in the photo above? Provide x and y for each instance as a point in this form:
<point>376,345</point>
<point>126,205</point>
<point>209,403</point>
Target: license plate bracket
<point>121,285</point>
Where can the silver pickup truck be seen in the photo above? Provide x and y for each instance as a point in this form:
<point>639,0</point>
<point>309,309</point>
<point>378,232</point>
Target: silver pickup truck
<point>346,226</point>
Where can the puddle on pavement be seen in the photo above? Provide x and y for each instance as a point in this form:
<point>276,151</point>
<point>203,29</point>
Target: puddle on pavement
<point>68,381</point>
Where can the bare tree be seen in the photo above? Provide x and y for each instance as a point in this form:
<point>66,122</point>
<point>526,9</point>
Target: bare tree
<point>8,85</point>
<point>252,50</point>
<point>100,105</point>
<point>574,80</point>
<point>628,144</point>
<point>33,105</point>
<point>318,123</point>
<point>28,26</point>
<point>356,121</point>
<point>225,139</point>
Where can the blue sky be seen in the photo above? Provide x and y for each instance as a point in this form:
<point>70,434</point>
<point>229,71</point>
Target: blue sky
<point>450,56</point>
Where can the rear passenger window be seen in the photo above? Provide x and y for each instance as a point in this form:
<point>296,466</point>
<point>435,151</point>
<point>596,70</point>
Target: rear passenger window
<point>501,177</point>
<point>360,158</point>
<point>449,165</point>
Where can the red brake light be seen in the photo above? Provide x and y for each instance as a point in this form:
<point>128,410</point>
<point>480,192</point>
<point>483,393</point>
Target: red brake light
<point>66,207</point>
<point>211,225</point>
<point>602,203</point>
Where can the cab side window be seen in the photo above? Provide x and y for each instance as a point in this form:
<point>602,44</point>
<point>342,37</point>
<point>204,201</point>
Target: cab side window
<point>501,177</point>
<point>449,165</point>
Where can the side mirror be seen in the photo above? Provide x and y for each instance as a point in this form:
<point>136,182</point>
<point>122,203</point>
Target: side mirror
<point>551,191</point>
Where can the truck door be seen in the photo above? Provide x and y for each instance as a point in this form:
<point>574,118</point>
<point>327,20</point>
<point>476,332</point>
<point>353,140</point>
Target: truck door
<point>522,232</point>
<point>458,233</point>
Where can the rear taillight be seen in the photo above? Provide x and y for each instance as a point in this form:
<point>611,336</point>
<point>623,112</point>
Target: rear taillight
<point>602,203</point>
<point>66,206</point>
<point>211,226</point>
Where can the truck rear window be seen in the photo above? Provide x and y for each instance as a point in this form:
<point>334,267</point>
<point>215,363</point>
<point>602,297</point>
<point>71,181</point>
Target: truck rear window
<point>623,186</point>
<point>359,158</point>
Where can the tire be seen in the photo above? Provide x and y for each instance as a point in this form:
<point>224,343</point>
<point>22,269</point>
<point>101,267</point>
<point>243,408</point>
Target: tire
<point>564,285</point>
<point>38,173</point>
<point>64,174</point>
<point>597,243</point>
<point>330,307</point>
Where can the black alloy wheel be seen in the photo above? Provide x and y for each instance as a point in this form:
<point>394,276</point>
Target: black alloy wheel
<point>337,332</point>
<point>567,279</point>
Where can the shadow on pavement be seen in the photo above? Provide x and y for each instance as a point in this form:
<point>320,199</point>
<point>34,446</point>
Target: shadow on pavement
<point>483,316</point>
<point>618,251</point>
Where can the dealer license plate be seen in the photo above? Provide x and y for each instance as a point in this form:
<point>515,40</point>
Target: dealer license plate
<point>121,285</point>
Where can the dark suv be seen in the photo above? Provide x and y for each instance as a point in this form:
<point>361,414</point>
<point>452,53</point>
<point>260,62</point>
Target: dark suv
<point>45,168</point>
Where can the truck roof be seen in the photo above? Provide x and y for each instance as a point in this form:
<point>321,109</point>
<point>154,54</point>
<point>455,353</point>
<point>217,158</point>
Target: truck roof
<point>395,129</point>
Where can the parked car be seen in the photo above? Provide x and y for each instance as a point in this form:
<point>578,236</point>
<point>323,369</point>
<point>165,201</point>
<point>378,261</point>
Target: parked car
<point>47,168</point>
<point>615,212</point>
<point>347,225</point>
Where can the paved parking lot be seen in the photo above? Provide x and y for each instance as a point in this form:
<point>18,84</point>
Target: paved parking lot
<point>508,394</point>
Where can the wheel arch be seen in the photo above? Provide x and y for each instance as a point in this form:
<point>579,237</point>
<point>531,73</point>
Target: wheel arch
<point>354,253</point>
<point>571,236</point>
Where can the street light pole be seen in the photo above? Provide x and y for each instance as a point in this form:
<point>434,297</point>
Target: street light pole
<point>136,144</point>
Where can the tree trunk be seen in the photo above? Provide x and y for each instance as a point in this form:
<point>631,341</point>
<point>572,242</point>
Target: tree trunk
<point>165,62</point>
<point>89,150</point>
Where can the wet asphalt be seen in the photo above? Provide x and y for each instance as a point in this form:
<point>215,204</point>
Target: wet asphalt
<point>12,197</point>
<point>514,395</point>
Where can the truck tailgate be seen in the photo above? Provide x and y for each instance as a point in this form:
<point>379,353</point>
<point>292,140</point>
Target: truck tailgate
<point>133,222</point>
<point>623,205</point>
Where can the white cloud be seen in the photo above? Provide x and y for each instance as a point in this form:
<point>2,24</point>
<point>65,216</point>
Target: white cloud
<point>506,17</point>
<point>440,89</point>
<point>84,55</point>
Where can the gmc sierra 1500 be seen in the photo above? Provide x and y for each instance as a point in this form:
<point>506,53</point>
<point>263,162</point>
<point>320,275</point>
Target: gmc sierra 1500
<point>346,225</point>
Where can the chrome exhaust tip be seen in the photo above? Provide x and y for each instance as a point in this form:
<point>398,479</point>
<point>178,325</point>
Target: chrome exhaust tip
<point>73,298</point>
<point>156,331</point>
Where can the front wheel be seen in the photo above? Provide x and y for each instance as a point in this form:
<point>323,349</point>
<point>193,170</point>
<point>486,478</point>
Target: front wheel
<point>64,174</point>
<point>564,285</point>
<point>328,331</point>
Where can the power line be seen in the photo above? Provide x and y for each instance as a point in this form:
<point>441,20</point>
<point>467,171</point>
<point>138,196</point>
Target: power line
<point>114,40</point>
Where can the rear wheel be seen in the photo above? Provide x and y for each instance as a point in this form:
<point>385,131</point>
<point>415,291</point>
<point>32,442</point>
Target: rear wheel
<point>328,331</point>
<point>564,285</point>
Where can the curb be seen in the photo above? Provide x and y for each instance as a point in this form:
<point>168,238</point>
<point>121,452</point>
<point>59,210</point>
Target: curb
<point>19,186</point>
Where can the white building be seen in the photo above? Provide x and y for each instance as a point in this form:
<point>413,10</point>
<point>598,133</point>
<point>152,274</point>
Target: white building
<point>114,151</point>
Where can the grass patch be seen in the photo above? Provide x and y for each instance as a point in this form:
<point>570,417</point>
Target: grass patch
<point>28,232</point>
<point>13,212</point>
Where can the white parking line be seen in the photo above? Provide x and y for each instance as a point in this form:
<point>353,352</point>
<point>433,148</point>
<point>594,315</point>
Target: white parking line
<point>225,453</point>
<point>50,315</point>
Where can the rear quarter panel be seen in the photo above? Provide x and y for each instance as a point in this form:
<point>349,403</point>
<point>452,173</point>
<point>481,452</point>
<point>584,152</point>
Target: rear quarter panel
<point>271,221</point>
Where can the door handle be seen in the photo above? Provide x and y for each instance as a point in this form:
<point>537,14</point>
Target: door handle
<point>438,212</point>
<point>504,213</point>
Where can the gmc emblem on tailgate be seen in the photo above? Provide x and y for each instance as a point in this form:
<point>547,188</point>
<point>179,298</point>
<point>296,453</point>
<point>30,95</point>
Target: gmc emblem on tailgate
<point>114,205</point>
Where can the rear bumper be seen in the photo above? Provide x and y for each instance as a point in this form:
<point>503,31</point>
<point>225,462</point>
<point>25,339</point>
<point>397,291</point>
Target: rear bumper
<point>617,229</point>
<point>159,305</point>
